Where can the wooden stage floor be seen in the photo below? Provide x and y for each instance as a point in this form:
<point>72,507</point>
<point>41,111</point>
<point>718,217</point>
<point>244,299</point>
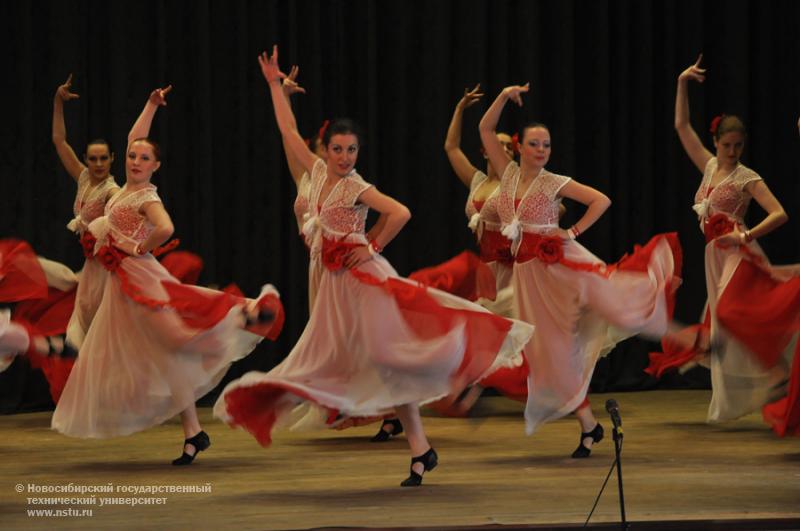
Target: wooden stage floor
<point>675,467</point>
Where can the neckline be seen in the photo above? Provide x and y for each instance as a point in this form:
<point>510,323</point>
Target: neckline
<point>321,206</point>
<point>710,189</point>
<point>120,196</point>
<point>518,202</point>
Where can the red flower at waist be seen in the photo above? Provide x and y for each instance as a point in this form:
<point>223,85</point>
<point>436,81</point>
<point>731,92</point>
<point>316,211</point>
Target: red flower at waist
<point>110,257</point>
<point>334,253</point>
<point>88,242</point>
<point>547,249</point>
<point>717,225</point>
<point>495,247</point>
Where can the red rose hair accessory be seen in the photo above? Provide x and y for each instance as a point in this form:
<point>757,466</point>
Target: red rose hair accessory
<point>321,133</point>
<point>715,124</point>
<point>515,143</point>
<point>324,128</point>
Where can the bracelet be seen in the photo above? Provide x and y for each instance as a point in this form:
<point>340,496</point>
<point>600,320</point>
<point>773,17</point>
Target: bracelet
<point>138,251</point>
<point>574,232</point>
<point>746,237</point>
<point>374,248</point>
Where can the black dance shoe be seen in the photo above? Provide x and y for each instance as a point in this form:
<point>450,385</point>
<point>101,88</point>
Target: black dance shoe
<point>384,435</point>
<point>200,442</point>
<point>596,435</point>
<point>58,347</point>
<point>264,316</point>
<point>429,460</point>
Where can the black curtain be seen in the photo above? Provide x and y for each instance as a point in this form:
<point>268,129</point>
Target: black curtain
<point>603,76</point>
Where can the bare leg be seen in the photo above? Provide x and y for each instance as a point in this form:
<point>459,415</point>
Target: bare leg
<point>415,433</point>
<point>591,430</point>
<point>191,427</point>
<point>587,421</point>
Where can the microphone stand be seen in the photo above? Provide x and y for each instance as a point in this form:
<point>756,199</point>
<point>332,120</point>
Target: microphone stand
<point>617,433</point>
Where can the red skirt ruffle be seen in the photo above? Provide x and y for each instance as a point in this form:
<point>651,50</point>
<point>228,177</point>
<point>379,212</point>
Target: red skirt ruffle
<point>21,275</point>
<point>464,275</point>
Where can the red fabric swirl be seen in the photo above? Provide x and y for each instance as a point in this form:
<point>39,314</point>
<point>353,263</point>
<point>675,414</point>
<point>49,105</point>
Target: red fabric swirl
<point>21,275</point>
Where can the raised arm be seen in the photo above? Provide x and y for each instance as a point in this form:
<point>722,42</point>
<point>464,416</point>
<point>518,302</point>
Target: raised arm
<point>141,128</point>
<point>395,216</point>
<point>69,159</point>
<point>596,201</point>
<point>494,149</point>
<point>689,139</point>
<point>452,144</point>
<point>293,142</point>
<point>290,86</point>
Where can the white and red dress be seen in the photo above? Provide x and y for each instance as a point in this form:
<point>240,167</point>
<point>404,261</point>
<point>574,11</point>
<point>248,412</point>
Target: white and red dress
<point>155,345</point>
<point>486,280</point>
<point>579,305</point>
<point>90,202</point>
<point>753,306</point>
<point>374,340</point>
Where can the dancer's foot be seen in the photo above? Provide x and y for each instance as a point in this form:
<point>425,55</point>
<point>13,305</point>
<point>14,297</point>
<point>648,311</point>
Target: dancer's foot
<point>419,465</point>
<point>191,447</point>
<point>389,429</point>
<point>588,439</point>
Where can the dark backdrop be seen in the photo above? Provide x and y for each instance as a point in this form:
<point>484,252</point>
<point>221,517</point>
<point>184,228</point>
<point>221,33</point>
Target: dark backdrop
<point>603,77</point>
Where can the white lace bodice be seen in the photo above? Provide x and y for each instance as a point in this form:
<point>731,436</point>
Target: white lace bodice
<point>538,207</point>
<point>488,213</point>
<point>122,219</point>
<point>730,196</point>
<point>340,214</point>
<point>301,201</point>
<point>90,202</point>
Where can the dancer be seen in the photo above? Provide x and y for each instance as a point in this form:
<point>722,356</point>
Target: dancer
<point>743,379</point>
<point>96,186</point>
<point>570,295</point>
<point>155,346</point>
<point>374,342</point>
<point>302,179</point>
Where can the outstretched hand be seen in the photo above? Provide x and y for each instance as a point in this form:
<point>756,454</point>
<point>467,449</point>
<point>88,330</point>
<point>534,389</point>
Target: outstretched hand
<point>269,66</point>
<point>63,92</point>
<point>514,92</point>
<point>471,96</point>
<point>159,96</point>
<point>290,85</point>
<point>694,72</point>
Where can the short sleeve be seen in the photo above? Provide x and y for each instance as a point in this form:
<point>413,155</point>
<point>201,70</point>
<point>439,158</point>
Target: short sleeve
<point>746,177</point>
<point>318,171</point>
<point>477,179</point>
<point>511,170</point>
<point>557,182</point>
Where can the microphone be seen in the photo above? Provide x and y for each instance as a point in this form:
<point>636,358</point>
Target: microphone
<point>613,409</point>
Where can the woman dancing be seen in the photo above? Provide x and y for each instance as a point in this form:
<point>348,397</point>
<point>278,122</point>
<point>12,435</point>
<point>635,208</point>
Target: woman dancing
<point>155,345</point>
<point>742,378</point>
<point>96,186</point>
<point>374,342</point>
<point>570,296</point>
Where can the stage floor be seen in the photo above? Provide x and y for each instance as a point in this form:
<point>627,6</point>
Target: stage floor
<point>675,467</point>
